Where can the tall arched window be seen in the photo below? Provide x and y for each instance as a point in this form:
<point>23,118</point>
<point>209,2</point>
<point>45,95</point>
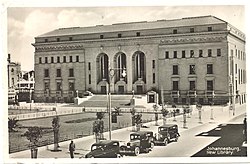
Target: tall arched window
<point>120,65</point>
<point>103,65</point>
<point>139,66</point>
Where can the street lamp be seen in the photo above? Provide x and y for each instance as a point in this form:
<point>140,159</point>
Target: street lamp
<point>111,75</point>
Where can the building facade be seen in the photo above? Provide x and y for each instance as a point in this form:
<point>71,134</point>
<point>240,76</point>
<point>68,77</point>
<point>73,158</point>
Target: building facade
<point>188,60</point>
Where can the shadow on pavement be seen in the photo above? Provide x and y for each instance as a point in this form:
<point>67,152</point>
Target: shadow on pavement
<point>229,143</point>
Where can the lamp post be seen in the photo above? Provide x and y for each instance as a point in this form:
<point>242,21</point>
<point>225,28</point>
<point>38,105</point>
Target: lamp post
<point>133,92</point>
<point>211,107</point>
<point>184,119</point>
<point>111,75</point>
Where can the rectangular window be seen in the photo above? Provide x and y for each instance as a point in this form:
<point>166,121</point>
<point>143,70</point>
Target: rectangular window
<point>175,85</point>
<point>52,59</point>
<point>70,38</point>
<point>192,85</point>
<point>64,59</point>
<point>200,53</point>
<point>175,31</point>
<point>235,68</point>
<point>119,35</point>
<point>70,59</point>
<point>175,54</point>
<point>89,78</point>
<point>58,73</point>
<point>209,29</point>
<point>46,59</point>
<point>46,40</point>
<point>71,86</point>
<point>46,73</point>
<point>209,52</point>
<point>218,52</point>
<point>191,53</point>
<point>58,39</point>
<point>239,75</point>
<point>58,59</point>
<point>153,64</point>
<point>166,55</point>
<point>175,70</point>
<point>153,78</point>
<point>192,69</point>
<point>238,54</point>
<point>40,60</point>
<point>101,37</point>
<point>71,72</point>
<point>210,85</point>
<point>191,30</point>
<point>46,85</point>
<point>209,68</point>
<point>89,66</point>
<point>138,34</point>
<point>183,54</point>
<point>58,86</point>
<point>77,58</point>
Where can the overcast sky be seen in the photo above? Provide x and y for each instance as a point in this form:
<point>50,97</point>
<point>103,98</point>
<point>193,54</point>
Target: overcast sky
<point>26,23</point>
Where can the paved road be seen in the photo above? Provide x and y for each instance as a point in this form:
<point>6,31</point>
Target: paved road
<point>189,143</point>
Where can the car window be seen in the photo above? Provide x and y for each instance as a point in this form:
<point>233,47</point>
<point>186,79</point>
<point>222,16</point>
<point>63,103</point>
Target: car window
<point>96,147</point>
<point>134,137</point>
<point>115,144</point>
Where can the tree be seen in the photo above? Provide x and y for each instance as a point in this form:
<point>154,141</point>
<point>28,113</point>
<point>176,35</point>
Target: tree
<point>33,134</point>
<point>98,126</point>
<point>132,111</point>
<point>12,124</point>
<point>56,126</point>
<point>156,113</point>
<point>164,114</point>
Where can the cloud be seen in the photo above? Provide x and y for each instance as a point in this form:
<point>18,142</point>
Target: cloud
<point>39,22</point>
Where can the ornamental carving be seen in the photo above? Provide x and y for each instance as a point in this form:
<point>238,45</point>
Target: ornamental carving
<point>58,47</point>
<point>193,40</point>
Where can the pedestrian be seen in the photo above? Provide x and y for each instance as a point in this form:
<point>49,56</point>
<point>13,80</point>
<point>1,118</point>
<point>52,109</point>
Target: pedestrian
<point>71,149</point>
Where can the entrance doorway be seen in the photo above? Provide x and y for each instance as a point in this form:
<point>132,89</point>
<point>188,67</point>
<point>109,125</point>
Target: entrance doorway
<point>139,89</point>
<point>120,89</point>
<point>103,89</point>
<point>151,98</point>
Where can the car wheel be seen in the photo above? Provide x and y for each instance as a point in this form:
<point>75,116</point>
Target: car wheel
<point>146,150</point>
<point>165,142</point>
<point>176,139</point>
<point>118,155</point>
<point>137,151</point>
<point>152,145</point>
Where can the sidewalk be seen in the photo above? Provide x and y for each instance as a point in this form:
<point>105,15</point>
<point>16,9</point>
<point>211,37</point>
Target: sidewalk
<point>220,115</point>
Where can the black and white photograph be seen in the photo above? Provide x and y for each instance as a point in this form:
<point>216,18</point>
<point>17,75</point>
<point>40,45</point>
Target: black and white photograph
<point>133,83</point>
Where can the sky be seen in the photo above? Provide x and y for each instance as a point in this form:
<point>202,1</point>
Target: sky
<point>25,23</point>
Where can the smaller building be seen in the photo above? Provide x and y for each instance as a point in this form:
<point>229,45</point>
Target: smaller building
<point>25,87</point>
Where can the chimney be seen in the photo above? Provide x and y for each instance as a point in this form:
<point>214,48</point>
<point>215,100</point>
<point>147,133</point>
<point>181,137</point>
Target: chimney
<point>8,58</point>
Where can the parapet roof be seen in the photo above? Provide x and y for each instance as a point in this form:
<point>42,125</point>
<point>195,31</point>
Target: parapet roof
<point>134,26</point>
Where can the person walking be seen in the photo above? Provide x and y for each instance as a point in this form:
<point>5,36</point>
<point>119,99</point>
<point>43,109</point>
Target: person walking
<point>71,149</point>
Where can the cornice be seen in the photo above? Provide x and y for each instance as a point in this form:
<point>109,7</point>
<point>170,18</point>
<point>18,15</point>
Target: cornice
<point>158,39</point>
<point>61,47</point>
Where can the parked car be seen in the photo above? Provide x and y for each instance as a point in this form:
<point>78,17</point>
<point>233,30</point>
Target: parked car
<point>142,141</point>
<point>166,133</point>
<point>104,149</point>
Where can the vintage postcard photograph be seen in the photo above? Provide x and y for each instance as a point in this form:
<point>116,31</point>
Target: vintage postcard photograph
<point>129,83</point>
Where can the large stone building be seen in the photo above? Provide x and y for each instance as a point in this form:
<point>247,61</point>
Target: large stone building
<point>191,59</point>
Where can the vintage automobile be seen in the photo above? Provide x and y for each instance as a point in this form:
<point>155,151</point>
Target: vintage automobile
<point>104,149</point>
<point>141,141</point>
<point>166,133</point>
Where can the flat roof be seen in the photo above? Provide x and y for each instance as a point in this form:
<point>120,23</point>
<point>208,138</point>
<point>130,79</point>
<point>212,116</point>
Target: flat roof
<point>134,26</point>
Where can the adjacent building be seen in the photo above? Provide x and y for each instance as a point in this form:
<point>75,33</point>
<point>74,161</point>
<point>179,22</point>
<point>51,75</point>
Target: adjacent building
<point>189,60</point>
